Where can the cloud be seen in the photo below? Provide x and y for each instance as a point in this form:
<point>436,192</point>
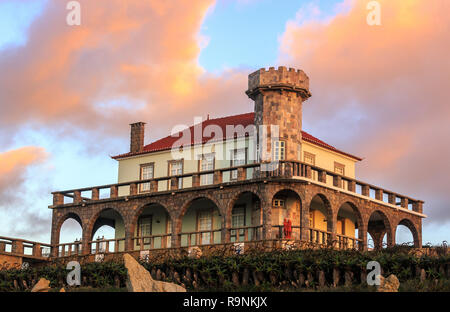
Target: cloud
<point>128,61</point>
<point>14,194</point>
<point>380,92</point>
<point>13,169</point>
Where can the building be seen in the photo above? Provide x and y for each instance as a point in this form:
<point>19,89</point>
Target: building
<point>260,176</point>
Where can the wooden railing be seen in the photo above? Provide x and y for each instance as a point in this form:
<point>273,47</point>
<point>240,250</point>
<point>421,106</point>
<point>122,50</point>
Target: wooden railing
<point>320,237</point>
<point>263,171</point>
<point>245,233</point>
<point>101,246</point>
<point>197,238</point>
<point>23,247</point>
<point>69,249</point>
<point>152,241</point>
<point>279,232</point>
<point>347,242</point>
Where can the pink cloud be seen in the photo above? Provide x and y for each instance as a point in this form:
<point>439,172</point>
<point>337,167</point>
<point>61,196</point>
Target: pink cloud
<point>140,51</point>
<point>380,92</point>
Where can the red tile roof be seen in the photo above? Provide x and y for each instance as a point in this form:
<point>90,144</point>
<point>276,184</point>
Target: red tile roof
<point>222,123</point>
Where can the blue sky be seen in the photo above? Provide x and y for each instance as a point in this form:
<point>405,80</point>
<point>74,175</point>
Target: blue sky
<point>238,34</point>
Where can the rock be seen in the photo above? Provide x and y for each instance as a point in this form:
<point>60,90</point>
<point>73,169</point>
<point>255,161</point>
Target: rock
<point>42,285</point>
<point>195,252</point>
<point>348,278</point>
<point>235,278</point>
<point>62,290</point>
<point>423,275</point>
<point>322,278</point>
<point>336,277</point>
<point>389,284</point>
<point>140,280</point>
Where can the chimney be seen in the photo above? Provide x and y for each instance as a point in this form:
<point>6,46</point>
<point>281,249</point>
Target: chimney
<point>137,137</point>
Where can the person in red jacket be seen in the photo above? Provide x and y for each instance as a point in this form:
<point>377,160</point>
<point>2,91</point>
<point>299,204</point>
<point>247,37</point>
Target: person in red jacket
<point>287,226</point>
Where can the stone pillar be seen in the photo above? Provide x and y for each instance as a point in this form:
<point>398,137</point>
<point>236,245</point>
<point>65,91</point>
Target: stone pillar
<point>391,199</point>
<point>241,174</point>
<point>308,172</point>
<point>379,194</point>
<point>174,183</point>
<point>133,189</point>
<point>95,194</point>
<point>365,190</point>
<point>114,191</point>
<point>352,186</point>
<point>77,197</point>
<point>337,181</point>
<point>404,202</point>
<point>418,206</point>
<point>176,230</point>
<point>153,186</point>
<point>322,177</point>
<point>218,177</point>
<point>362,235</point>
<point>54,239</point>
<point>196,180</point>
<point>17,247</point>
<point>37,251</point>
<point>85,245</point>
<point>267,220</point>
<point>58,199</point>
<point>225,232</point>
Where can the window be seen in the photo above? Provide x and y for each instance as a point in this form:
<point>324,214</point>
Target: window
<point>147,172</point>
<point>278,202</point>
<point>204,223</point>
<point>309,158</point>
<point>206,164</point>
<point>176,168</point>
<point>144,228</point>
<point>279,148</point>
<point>238,220</point>
<point>339,168</point>
<point>238,158</point>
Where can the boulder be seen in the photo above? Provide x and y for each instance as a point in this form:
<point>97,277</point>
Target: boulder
<point>195,252</point>
<point>42,285</point>
<point>389,284</point>
<point>140,280</point>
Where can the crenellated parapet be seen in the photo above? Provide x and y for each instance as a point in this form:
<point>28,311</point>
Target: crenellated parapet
<point>281,78</point>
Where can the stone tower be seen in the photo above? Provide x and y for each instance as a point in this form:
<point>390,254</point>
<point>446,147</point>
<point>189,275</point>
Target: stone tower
<point>278,96</point>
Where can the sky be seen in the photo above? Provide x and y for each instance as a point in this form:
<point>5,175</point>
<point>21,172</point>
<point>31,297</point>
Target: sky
<point>69,93</point>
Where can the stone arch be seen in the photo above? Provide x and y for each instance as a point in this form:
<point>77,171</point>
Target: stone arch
<point>410,225</point>
<point>252,210</point>
<point>347,209</point>
<point>105,217</point>
<point>318,223</point>
<point>64,218</point>
<point>189,220</point>
<point>291,209</point>
<point>327,207</point>
<point>158,212</point>
<point>379,225</point>
<point>195,197</point>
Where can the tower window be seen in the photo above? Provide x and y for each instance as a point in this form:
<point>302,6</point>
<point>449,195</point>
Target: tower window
<point>279,150</point>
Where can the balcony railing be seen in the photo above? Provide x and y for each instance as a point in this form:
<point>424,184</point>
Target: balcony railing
<point>262,171</point>
<point>17,246</point>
